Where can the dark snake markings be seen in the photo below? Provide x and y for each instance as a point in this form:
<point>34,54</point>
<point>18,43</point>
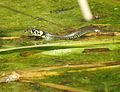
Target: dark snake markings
<point>71,36</point>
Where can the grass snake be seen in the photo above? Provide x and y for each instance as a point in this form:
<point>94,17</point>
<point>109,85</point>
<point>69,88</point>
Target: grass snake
<point>74,35</point>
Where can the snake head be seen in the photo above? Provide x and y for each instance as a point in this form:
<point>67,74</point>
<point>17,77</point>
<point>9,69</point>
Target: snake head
<point>36,32</point>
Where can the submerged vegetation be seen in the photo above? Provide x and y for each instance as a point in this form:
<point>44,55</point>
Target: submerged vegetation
<point>88,64</point>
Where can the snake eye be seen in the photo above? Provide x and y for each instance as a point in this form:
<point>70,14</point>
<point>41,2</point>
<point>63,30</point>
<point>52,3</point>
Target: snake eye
<point>33,30</point>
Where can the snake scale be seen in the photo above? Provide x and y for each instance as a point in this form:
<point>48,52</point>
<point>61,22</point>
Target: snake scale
<point>71,36</point>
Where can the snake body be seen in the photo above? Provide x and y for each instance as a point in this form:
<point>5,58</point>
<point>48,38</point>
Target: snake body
<point>71,36</point>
